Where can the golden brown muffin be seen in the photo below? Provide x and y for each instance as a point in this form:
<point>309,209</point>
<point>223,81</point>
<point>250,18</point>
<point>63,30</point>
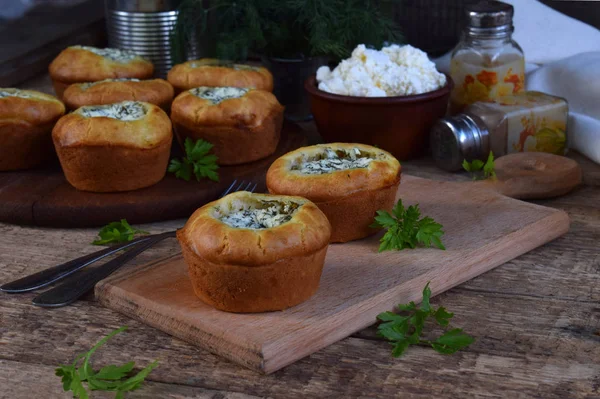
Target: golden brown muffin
<point>211,72</point>
<point>154,91</point>
<point>80,64</point>
<point>348,182</point>
<point>26,121</point>
<point>244,125</point>
<point>117,147</point>
<point>255,252</point>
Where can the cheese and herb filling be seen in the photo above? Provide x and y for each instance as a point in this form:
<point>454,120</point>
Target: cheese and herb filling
<point>261,214</point>
<point>86,86</point>
<point>224,64</point>
<point>14,93</point>
<point>332,160</point>
<point>113,54</point>
<point>217,95</point>
<point>124,111</point>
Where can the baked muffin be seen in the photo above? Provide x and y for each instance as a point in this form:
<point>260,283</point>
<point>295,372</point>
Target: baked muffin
<point>80,64</point>
<point>154,91</point>
<point>218,73</point>
<point>255,252</point>
<point>348,182</point>
<point>26,121</point>
<point>116,147</point>
<point>243,124</point>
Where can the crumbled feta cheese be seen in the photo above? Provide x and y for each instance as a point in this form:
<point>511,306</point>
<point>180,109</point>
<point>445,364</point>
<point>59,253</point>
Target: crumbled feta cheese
<point>218,94</point>
<point>86,86</point>
<point>393,71</point>
<point>13,93</point>
<point>269,214</point>
<point>113,54</point>
<point>331,161</point>
<point>124,111</point>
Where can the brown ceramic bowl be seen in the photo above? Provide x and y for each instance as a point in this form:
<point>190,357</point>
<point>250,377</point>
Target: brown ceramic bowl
<point>399,124</point>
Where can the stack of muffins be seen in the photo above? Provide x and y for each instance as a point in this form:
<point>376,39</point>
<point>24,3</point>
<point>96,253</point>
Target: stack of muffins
<point>117,136</point>
<point>245,252</point>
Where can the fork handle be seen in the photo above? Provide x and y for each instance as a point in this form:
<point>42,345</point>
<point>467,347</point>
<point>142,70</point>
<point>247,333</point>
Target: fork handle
<point>55,273</point>
<point>76,286</point>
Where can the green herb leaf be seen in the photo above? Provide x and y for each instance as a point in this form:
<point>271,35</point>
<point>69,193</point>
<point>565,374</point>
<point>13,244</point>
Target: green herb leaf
<point>197,160</point>
<point>406,230</point>
<point>117,232</point>
<point>488,168</point>
<point>403,330</point>
<point>452,341</point>
<point>480,170</point>
<point>109,378</point>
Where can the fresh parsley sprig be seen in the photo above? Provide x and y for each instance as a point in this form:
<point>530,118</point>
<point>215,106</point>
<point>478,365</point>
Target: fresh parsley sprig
<point>117,232</point>
<point>405,329</point>
<point>197,160</point>
<point>406,230</point>
<point>108,378</point>
<point>480,170</point>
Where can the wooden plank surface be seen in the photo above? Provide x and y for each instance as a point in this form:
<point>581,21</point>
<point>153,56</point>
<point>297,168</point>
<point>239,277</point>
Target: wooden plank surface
<point>483,230</point>
<point>536,321</point>
<point>43,197</point>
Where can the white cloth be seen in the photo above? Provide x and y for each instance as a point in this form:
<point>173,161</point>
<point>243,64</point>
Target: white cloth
<point>562,58</point>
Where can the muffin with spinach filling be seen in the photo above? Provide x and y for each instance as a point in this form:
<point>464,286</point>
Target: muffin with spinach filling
<point>243,124</point>
<point>255,252</point>
<point>349,182</point>
<point>115,147</point>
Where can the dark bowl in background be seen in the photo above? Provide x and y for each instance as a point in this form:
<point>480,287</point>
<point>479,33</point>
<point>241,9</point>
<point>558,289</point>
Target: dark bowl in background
<point>399,124</point>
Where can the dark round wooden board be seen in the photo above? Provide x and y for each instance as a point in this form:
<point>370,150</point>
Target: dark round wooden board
<point>42,197</point>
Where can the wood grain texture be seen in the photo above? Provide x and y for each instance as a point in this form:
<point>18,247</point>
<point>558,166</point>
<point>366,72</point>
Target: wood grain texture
<point>43,197</point>
<point>483,230</point>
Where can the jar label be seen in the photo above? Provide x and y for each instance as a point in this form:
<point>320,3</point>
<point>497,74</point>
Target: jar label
<point>536,122</point>
<point>485,82</point>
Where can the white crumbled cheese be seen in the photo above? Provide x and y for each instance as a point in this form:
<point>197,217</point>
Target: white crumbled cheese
<point>224,64</point>
<point>270,214</point>
<point>393,71</point>
<point>218,94</point>
<point>124,111</point>
<point>331,161</point>
<point>13,93</point>
<point>86,86</point>
<point>113,54</point>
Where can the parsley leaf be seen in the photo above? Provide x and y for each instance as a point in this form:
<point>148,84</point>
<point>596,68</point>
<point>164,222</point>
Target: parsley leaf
<point>197,160</point>
<point>109,378</point>
<point>117,232</point>
<point>406,230</point>
<point>403,330</point>
<point>480,170</point>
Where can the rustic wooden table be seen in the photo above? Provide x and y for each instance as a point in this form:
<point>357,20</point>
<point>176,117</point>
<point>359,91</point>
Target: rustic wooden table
<point>536,320</point>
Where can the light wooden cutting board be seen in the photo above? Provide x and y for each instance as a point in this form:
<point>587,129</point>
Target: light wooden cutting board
<point>483,230</point>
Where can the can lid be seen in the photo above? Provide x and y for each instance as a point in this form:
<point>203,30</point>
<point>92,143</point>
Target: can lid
<point>489,14</point>
<point>456,138</point>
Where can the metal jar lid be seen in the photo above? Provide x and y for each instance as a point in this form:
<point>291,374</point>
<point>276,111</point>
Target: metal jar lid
<point>456,138</point>
<point>489,14</point>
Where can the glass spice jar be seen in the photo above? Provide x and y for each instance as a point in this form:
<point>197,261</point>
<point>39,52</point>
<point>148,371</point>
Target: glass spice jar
<point>487,63</point>
<point>526,122</point>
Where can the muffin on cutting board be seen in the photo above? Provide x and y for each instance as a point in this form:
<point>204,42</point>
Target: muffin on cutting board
<point>255,252</point>
<point>348,182</point>
<point>243,124</point>
<point>81,64</point>
<point>218,73</point>
<point>154,91</point>
<point>116,147</point>
<point>26,121</point>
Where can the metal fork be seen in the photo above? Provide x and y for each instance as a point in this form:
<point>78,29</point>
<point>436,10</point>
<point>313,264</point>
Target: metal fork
<point>77,285</point>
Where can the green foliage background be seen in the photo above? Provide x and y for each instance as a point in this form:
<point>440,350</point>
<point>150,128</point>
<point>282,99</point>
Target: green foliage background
<point>284,28</point>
